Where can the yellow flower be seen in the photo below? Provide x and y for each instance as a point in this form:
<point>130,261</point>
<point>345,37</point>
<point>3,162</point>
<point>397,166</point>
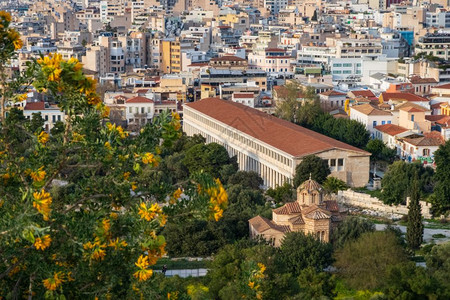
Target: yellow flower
<point>149,213</point>
<point>218,213</point>
<point>177,193</point>
<point>99,253</point>
<point>126,175</point>
<point>76,137</point>
<point>54,282</point>
<point>43,243</point>
<point>114,215</point>
<point>251,284</point>
<point>38,175</point>
<point>42,202</point>
<point>133,186</point>
<point>173,295</point>
<point>106,225</point>
<point>148,158</point>
<point>117,244</point>
<point>262,267</point>
<point>162,220</point>
<point>5,16</point>
<point>22,97</point>
<point>108,145</point>
<point>143,273</point>
<point>176,116</point>
<point>43,137</point>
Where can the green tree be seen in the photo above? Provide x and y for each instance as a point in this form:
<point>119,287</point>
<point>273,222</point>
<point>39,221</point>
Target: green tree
<point>407,281</point>
<point>398,178</point>
<point>299,251</point>
<point>414,229</point>
<point>230,271</point>
<point>438,263</point>
<point>80,213</point>
<point>380,152</point>
<point>208,158</point>
<point>364,263</point>
<point>281,194</point>
<point>315,285</point>
<point>313,166</point>
<point>441,203</point>
<point>248,179</point>
<point>333,185</point>
<point>350,230</point>
<point>36,123</point>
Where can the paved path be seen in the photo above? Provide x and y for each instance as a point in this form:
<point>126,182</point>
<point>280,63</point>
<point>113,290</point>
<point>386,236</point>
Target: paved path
<point>183,273</point>
<point>427,233</point>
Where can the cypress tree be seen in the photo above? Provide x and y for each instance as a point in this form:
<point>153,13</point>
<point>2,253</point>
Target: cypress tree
<point>414,230</point>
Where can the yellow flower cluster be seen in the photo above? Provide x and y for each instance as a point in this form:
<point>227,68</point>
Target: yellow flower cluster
<point>43,138</point>
<point>97,249</point>
<point>108,145</point>
<point>173,295</point>
<point>43,243</point>
<point>76,137</point>
<point>42,202</point>
<point>218,199</point>
<point>143,273</point>
<point>126,175</point>
<point>51,66</point>
<point>54,282</point>
<point>14,36</point>
<point>175,196</point>
<point>149,158</point>
<point>38,175</point>
<point>150,213</point>
<point>5,16</point>
<point>176,121</point>
<point>113,128</point>
<point>255,278</point>
<point>117,244</point>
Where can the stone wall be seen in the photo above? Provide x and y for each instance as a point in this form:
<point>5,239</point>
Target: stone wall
<point>351,198</point>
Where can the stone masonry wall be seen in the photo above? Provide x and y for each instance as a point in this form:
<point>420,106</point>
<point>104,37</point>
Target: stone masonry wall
<point>362,200</point>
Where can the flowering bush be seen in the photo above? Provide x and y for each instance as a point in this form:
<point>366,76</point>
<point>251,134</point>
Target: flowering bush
<point>76,217</point>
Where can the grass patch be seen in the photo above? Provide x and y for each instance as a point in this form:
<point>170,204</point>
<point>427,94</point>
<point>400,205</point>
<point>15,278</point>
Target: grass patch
<point>175,264</point>
<point>439,236</point>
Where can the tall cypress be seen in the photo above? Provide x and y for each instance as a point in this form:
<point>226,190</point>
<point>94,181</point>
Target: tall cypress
<point>414,230</point>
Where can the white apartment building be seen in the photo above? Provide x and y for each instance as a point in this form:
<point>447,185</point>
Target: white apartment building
<point>439,19</point>
<point>247,99</point>
<point>139,110</point>
<point>270,146</point>
<point>345,68</point>
<point>50,114</point>
<point>317,55</point>
<point>370,116</point>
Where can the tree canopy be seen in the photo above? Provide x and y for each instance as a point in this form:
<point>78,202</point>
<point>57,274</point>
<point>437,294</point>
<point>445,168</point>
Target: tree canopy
<point>313,166</point>
<point>441,202</point>
<point>398,178</point>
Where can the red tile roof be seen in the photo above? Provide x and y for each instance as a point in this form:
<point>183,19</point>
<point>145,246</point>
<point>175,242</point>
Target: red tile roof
<point>35,106</point>
<point>403,97</point>
<point>391,129</point>
<point>243,95</point>
<point>139,100</point>
<point>369,110</point>
<point>228,58</point>
<point>288,209</point>
<point>332,93</point>
<point>444,86</point>
<point>420,80</point>
<point>286,136</point>
<point>363,93</point>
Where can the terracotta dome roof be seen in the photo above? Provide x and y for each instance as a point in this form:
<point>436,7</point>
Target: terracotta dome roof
<point>310,185</point>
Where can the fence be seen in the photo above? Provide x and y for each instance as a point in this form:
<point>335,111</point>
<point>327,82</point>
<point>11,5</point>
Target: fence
<point>362,200</point>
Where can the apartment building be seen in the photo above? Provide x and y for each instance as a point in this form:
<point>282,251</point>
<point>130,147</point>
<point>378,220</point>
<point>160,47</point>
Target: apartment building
<point>170,55</point>
<point>436,44</point>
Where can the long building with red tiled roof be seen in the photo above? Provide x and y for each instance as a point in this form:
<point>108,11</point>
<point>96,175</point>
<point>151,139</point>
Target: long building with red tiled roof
<point>271,146</point>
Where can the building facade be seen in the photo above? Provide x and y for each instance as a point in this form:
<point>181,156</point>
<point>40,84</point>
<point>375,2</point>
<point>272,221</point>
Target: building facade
<point>270,146</point>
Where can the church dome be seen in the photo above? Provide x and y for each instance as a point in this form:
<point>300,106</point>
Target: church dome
<point>310,185</point>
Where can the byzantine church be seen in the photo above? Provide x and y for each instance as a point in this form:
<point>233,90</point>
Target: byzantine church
<point>310,214</point>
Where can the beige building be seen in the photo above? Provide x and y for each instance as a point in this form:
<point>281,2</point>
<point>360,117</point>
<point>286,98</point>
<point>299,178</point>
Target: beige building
<point>310,214</point>
<point>270,146</point>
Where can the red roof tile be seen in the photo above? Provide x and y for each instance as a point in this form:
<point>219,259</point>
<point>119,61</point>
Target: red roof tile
<point>391,129</point>
<point>243,95</point>
<point>35,106</point>
<point>403,97</point>
<point>139,100</point>
<point>286,136</point>
<point>332,93</point>
<point>363,93</point>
